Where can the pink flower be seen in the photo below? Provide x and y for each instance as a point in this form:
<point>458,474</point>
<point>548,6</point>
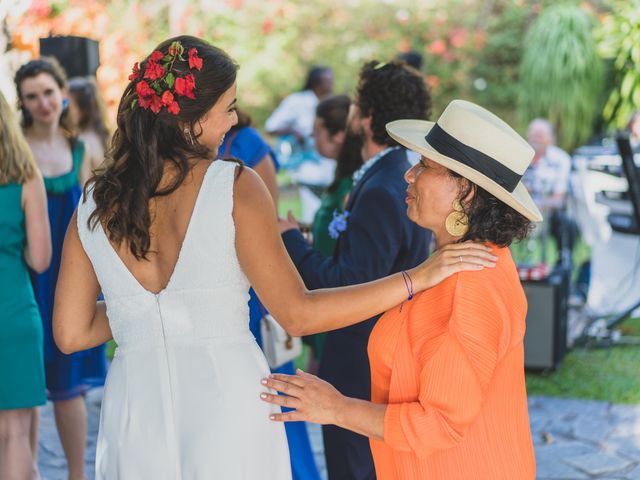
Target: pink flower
<point>153,71</point>
<point>184,86</point>
<point>135,73</point>
<point>156,103</point>
<point>194,60</point>
<point>173,108</point>
<point>156,56</point>
<point>167,98</point>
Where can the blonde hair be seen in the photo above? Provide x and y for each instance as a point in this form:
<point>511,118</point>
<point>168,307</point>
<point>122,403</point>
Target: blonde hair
<point>16,160</point>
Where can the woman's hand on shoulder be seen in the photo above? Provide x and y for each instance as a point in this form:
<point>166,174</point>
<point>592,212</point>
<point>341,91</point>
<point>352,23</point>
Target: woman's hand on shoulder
<point>450,259</point>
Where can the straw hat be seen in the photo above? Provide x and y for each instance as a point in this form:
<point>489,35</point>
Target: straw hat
<point>476,144</point>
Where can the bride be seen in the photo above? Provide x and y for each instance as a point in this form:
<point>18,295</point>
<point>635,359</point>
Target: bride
<point>167,235</point>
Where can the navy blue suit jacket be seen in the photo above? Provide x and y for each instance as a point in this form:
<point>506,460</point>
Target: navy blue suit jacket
<point>379,240</point>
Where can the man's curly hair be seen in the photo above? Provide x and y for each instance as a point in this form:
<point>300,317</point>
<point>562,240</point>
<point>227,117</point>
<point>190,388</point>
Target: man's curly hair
<point>391,91</point>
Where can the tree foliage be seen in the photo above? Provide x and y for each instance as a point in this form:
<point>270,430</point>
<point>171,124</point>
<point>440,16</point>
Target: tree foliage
<point>620,44</point>
<point>561,73</point>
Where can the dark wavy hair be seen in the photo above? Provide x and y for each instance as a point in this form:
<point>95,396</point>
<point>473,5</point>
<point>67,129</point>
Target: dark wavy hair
<point>490,219</point>
<point>91,110</point>
<point>334,112</point>
<point>391,91</point>
<point>51,67</point>
<point>145,141</point>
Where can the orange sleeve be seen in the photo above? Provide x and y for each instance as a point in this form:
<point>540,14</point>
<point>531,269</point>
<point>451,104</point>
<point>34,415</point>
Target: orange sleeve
<point>453,380</point>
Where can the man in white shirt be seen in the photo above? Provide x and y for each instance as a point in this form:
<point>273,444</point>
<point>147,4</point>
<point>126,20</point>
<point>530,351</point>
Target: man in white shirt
<point>296,113</point>
<point>547,179</point>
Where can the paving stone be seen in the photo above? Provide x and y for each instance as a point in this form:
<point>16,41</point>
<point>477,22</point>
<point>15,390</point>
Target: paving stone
<point>626,412</point>
<point>599,464</point>
<point>594,429</point>
<point>572,406</point>
<point>633,474</point>
<point>562,449</point>
<point>574,425</point>
<point>626,429</point>
<point>626,447</point>
<point>557,470</point>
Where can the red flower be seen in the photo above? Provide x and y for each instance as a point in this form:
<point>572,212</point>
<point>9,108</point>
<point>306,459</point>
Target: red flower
<point>143,90</point>
<point>167,98</point>
<point>174,108</point>
<point>437,47</point>
<point>184,86</point>
<point>144,102</point>
<point>156,103</point>
<point>135,73</point>
<point>173,50</point>
<point>153,71</point>
<point>156,56</point>
<point>194,60</point>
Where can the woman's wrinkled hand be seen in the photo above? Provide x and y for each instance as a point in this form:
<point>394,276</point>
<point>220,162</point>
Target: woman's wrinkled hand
<point>312,399</point>
<point>450,259</point>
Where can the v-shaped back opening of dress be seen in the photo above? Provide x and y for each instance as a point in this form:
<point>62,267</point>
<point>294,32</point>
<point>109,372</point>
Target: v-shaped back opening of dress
<point>183,245</point>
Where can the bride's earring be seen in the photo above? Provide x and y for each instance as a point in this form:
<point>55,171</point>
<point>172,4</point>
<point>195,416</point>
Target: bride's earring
<point>187,133</point>
<point>457,222</point>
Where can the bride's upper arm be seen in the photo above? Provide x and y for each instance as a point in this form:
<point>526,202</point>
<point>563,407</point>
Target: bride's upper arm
<point>76,291</point>
<point>261,253</point>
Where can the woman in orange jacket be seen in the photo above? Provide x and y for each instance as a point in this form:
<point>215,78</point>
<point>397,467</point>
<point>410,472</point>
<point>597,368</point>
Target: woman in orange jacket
<point>448,396</point>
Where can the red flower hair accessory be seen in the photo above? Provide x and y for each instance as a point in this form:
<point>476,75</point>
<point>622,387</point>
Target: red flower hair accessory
<point>159,86</point>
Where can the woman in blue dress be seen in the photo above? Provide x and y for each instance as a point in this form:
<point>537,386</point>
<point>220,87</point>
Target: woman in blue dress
<point>245,143</point>
<point>41,85</point>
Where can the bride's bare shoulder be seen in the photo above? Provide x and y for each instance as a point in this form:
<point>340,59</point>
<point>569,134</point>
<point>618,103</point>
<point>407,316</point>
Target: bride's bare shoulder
<point>250,192</point>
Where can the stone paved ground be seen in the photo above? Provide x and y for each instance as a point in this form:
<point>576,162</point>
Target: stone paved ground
<point>574,440</point>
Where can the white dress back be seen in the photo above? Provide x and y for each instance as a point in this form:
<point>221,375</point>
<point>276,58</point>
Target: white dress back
<point>181,400</point>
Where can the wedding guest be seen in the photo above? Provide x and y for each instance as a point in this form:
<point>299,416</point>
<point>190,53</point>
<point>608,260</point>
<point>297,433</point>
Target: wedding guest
<point>60,156</point>
<point>547,178</point>
<point>91,118</point>
<point>375,239</point>
<point>333,141</point>
<point>168,234</point>
<point>24,242</point>
<point>296,113</point>
<point>448,398</point>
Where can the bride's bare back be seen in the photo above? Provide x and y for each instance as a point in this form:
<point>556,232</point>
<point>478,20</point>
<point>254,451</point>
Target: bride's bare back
<point>170,218</point>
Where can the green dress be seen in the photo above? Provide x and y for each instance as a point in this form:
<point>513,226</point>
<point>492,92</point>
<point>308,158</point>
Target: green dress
<point>21,360</point>
<point>322,241</point>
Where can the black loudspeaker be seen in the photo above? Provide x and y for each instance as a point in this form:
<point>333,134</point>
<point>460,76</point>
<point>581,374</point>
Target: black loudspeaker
<point>79,56</point>
<point>545,341</point>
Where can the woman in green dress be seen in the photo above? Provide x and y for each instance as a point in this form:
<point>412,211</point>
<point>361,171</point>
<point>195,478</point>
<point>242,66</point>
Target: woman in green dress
<point>24,241</point>
<point>333,140</point>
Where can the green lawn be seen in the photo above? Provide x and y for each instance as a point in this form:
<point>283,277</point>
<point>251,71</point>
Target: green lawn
<point>610,374</point>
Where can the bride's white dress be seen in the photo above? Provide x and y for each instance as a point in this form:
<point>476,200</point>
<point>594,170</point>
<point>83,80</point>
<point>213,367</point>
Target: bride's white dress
<point>181,400</point>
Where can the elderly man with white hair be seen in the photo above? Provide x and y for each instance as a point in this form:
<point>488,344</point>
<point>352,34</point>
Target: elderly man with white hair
<point>547,178</point>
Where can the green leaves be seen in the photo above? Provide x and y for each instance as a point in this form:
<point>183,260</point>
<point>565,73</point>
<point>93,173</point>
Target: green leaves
<point>170,79</point>
<point>561,74</point>
<point>620,42</point>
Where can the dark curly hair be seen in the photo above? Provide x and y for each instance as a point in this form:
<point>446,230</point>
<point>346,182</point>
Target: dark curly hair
<point>490,219</point>
<point>391,91</point>
<point>51,67</point>
<point>144,141</point>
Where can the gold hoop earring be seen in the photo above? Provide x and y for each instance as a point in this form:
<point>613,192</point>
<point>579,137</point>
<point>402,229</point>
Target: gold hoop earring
<point>457,222</point>
<point>187,133</point>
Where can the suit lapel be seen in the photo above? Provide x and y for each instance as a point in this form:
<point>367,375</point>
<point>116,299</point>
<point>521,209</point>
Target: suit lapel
<point>389,158</point>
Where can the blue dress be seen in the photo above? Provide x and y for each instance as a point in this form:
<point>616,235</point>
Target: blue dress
<point>246,144</point>
<point>67,376</point>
